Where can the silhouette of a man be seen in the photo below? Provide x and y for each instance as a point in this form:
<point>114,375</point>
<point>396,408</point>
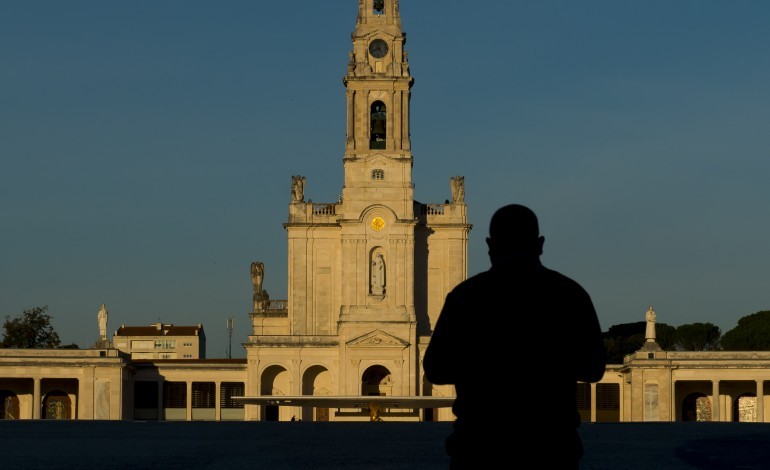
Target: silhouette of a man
<point>514,341</point>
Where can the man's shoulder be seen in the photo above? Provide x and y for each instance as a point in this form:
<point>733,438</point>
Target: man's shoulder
<point>561,278</point>
<point>490,278</point>
<point>554,274</point>
<point>477,280</point>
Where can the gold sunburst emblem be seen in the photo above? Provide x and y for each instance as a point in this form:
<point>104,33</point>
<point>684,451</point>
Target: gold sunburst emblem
<point>378,223</point>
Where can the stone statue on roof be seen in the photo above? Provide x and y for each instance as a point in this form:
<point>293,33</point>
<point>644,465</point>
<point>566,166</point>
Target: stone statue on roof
<point>650,331</point>
<point>102,317</point>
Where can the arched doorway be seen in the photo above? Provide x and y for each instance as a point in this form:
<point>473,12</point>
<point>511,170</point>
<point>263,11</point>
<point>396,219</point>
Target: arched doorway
<point>745,408</point>
<point>696,407</point>
<point>57,405</point>
<point>274,382</point>
<point>9,405</point>
<point>376,380</point>
<point>317,381</point>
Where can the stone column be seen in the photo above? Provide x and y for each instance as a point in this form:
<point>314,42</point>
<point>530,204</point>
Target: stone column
<point>397,125</point>
<point>86,397</point>
<point>36,404</point>
<point>189,401</point>
<point>760,401</point>
<point>350,144</point>
<point>217,400</point>
<point>715,401</point>
<point>79,402</point>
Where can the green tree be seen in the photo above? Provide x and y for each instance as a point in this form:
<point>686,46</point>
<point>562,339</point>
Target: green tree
<point>751,334</point>
<point>32,329</point>
<point>698,337</point>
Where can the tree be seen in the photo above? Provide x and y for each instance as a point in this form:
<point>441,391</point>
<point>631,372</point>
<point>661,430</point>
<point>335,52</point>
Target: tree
<point>751,334</point>
<point>698,337</point>
<point>32,329</point>
<point>627,338</point>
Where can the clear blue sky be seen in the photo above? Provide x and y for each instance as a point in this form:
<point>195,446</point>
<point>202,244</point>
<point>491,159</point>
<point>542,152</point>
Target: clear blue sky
<point>147,148</point>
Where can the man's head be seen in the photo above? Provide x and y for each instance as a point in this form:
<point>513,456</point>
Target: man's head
<point>514,234</point>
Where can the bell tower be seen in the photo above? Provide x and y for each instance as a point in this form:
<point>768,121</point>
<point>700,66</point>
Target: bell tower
<point>378,85</point>
<point>377,209</point>
<point>367,273</point>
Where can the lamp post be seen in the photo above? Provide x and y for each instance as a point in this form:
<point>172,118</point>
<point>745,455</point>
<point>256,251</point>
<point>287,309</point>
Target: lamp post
<point>230,322</point>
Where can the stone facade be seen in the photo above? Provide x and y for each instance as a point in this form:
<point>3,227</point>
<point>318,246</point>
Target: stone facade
<point>63,384</point>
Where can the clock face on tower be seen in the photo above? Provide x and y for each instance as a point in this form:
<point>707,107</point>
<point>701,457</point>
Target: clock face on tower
<point>378,48</point>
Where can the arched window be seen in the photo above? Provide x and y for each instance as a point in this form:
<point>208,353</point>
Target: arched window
<point>378,125</point>
<point>378,174</point>
<point>379,7</point>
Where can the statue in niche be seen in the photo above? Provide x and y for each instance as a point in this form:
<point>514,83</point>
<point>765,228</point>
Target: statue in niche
<point>377,283</point>
<point>257,275</point>
<point>298,188</point>
<point>457,185</point>
<point>650,331</point>
<point>102,317</point>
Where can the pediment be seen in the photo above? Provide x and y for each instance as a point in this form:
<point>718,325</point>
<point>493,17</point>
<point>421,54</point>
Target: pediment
<point>377,33</point>
<point>377,338</point>
<point>378,159</point>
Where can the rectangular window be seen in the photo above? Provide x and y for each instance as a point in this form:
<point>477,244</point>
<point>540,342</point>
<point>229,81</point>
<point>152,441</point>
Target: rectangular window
<point>203,394</point>
<point>607,397</point>
<point>141,355</point>
<point>228,390</point>
<point>165,344</point>
<point>174,395</point>
<point>142,344</point>
<point>583,396</point>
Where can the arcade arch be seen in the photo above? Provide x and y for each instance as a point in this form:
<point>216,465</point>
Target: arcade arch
<point>9,405</point>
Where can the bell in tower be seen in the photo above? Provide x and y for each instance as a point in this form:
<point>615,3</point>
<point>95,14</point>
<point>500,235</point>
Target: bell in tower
<point>378,125</point>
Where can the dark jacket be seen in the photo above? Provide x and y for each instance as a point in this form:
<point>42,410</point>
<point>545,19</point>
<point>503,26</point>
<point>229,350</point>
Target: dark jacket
<point>514,341</point>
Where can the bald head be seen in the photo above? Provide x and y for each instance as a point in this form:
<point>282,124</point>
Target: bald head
<point>514,233</point>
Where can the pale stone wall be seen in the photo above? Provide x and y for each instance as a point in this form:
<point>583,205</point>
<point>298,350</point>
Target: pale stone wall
<point>91,379</point>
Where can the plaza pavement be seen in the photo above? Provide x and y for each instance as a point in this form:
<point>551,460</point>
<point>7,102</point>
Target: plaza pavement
<point>137,445</point>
